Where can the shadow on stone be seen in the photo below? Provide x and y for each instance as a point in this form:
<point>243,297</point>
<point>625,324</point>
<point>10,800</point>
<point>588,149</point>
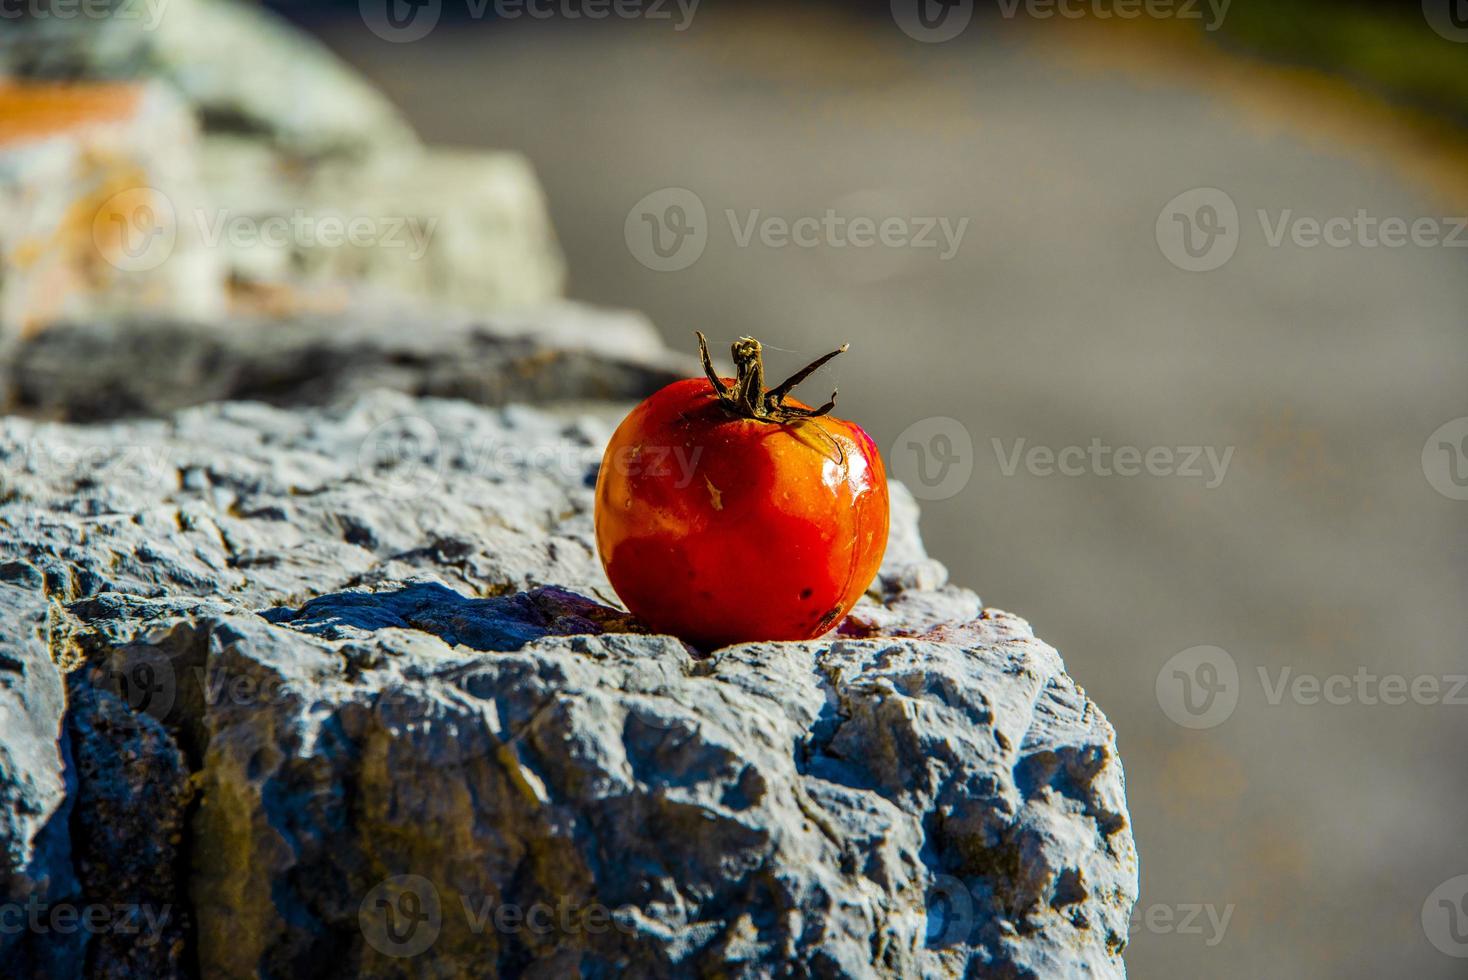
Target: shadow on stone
<point>503,623</point>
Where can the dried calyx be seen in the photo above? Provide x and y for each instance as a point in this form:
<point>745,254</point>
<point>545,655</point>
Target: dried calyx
<point>748,398</point>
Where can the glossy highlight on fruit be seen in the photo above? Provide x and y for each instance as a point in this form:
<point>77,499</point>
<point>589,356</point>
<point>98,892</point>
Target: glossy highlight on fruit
<point>726,512</point>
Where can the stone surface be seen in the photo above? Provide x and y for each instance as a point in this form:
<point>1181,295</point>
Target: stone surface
<point>377,640</point>
<point>312,185</point>
<point>243,69</point>
<point>151,367</point>
<point>35,858</point>
<point>98,185</point>
<point>31,705</point>
<point>133,786</point>
<point>458,228</point>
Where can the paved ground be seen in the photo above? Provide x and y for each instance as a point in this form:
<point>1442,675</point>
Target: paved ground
<point>1320,829</point>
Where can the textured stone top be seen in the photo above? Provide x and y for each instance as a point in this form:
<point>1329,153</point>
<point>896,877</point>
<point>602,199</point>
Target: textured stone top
<point>351,697</point>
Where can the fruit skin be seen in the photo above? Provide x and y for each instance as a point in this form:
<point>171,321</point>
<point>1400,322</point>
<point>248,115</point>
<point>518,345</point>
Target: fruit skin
<point>720,529</point>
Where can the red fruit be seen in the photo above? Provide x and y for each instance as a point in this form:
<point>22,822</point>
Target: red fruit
<point>727,513</point>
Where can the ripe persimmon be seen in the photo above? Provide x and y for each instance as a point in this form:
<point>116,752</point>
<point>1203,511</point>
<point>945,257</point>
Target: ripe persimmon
<point>726,512</point>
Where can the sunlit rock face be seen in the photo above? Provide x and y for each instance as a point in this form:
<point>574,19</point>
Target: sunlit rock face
<point>346,694</point>
<point>98,184</point>
<point>200,160</point>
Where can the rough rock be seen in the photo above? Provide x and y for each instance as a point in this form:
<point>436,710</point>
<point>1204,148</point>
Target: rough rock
<point>149,367</point>
<point>424,742</point>
<point>97,184</point>
<point>312,185</point>
<point>458,228</point>
<point>31,705</point>
<point>243,69</point>
<point>35,859</point>
<point>130,774</point>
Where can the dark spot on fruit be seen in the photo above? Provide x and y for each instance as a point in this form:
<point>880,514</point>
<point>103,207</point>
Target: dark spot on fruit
<point>807,592</point>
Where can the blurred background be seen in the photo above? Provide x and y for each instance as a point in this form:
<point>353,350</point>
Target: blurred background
<point>1162,310</point>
